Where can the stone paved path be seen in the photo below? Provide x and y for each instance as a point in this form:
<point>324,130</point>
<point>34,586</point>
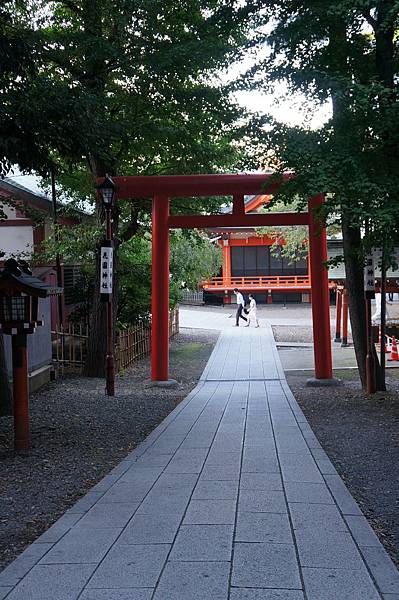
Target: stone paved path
<point>230,498</point>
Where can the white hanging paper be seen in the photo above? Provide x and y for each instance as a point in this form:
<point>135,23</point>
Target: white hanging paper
<point>106,270</point>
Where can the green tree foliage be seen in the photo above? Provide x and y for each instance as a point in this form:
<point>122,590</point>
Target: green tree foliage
<point>346,52</point>
<point>193,257</point>
<point>130,87</point>
<point>288,242</point>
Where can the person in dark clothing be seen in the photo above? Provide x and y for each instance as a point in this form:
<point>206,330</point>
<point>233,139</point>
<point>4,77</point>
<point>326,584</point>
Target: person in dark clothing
<point>240,306</point>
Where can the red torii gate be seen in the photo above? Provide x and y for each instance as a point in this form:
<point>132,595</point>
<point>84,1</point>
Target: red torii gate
<point>162,188</point>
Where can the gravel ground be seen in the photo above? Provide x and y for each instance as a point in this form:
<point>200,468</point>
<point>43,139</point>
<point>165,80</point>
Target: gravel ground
<point>295,333</point>
<point>79,435</point>
<point>361,436</point>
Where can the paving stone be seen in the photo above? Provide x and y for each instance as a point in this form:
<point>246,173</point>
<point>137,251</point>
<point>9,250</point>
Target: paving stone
<point>302,474</point>
<point>265,565</point>
<point>308,493</point>
<point>326,466</point>
<point>194,581</point>
<point>53,582</point>
<point>290,442</point>
<point>260,464</point>
<point>176,481</point>
<point>390,596</point>
<point>261,481</point>
<point>216,490</point>
<point>81,545</point>
<point>60,527</point>
<point>339,584</point>
<point>210,512</point>
<point>220,473</point>
<point>120,594</point>
<point>123,493</point>
<point>329,550</point>
<point>170,494</point>
<point>130,566</point>
<point>105,484</point>
<point>262,501</point>
<point>21,565</point>
<point>382,569</point>
<point>362,531</point>
<point>342,496</point>
<point>140,471</point>
<point>187,461</point>
<point>264,594</point>
<point>319,454</point>
<point>263,527</point>
<point>85,503</point>
<point>203,543</point>
<point>217,458</point>
<point>159,501</point>
<point>317,517</point>
<point>155,460</point>
<point>104,516</point>
<point>4,591</point>
<point>151,529</point>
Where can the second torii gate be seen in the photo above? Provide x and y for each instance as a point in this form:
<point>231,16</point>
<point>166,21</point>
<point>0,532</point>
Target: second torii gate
<point>163,188</point>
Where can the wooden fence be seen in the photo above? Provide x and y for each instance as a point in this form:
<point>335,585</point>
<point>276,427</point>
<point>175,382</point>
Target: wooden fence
<point>192,297</point>
<point>70,344</point>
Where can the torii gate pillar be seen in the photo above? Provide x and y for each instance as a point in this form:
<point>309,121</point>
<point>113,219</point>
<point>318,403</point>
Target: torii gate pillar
<point>160,289</point>
<point>320,296</point>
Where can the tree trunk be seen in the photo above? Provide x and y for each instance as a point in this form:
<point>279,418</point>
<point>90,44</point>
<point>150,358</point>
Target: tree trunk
<point>355,286</point>
<point>97,342</point>
<point>5,389</point>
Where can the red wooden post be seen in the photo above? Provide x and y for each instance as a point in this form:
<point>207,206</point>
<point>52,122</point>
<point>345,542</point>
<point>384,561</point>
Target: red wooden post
<point>345,314</point>
<point>338,315</point>
<point>160,288</point>
<point>226,268</point>
<point>320,293</point>
<point>20,393</point>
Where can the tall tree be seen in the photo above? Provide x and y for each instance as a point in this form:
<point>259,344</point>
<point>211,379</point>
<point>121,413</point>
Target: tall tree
<point>131,86</point>
<point>344,51</point>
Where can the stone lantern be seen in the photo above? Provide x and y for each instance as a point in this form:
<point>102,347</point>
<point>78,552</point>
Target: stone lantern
<point>19,300</point>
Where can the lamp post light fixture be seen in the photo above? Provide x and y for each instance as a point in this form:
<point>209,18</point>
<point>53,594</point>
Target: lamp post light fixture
<point>19,301</point>
<point>107,190</point>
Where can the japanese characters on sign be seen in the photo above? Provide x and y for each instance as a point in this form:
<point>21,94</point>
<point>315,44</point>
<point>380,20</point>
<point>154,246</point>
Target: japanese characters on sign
<point>369,276</point>
<point>106,270</point>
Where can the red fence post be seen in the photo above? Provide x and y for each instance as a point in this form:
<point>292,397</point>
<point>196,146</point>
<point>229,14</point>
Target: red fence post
<point>345,315</point>
<point>338,315</point>
<point>320,293</point>
<point>160,289</point>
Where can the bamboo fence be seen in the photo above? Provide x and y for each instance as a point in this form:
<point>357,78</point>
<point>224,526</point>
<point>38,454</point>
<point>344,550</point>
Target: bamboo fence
<point>70,344</point>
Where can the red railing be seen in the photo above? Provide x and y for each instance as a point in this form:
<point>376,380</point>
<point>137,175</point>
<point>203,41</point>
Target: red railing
<point>258,282</point>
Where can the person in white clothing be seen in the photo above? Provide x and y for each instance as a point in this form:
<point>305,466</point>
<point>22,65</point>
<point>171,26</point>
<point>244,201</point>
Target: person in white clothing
<point>376,317</point>
<point>252,314</point>
<point>240,307</point>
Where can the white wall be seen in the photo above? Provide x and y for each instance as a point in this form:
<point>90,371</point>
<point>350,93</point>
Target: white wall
<point>16,241</point>
<point>9,211</point>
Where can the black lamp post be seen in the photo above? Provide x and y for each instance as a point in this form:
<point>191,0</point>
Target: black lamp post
<point>107,191</point>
